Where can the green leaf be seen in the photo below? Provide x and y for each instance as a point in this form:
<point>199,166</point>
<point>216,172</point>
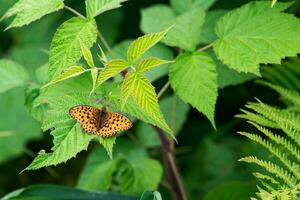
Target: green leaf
<point>113,96</point>
<point>94,75</point>
<point>149,63</point>
<point>67,74</point>
<point>232,191</point>
<point>69,138</point>
<point>96,7</point>
<point>65,48</point>
<point>143,93</point>
<point>52,192</point>
<point>208,34</point>
<point>186,27</point>
<point>17,127</point>
<point>41,74</point>
<point>151,195</point>
<point>159,50</point>
<point>73,142</point>
<point>111,69</point>
<point>108,144</point>
<point>139,46</point>
<point>182,6</point>
<point>134,176</point>
<point>101,173</point>
<point>226,76</point>
<point>31,93</point>
<point>27,11</point>
<point>98,172</point>
<point>87,55</point>
<point>261,35</point>
<point>185,33</point>
<point>147,135</point>
<point>193,78</point>
<point>175,112</point>
<point>12,75</point>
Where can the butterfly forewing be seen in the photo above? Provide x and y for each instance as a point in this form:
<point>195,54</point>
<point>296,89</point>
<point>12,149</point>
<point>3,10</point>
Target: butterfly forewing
<point>100,122</point>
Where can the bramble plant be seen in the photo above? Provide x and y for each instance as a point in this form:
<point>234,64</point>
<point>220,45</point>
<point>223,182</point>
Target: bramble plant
<point>213,49</point>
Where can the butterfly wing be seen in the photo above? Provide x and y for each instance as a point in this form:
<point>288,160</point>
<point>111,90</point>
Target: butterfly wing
<point>87,116</point>
<point>89,119</point>
<point>113,123</point>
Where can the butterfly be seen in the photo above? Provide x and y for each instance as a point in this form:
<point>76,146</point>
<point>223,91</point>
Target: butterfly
<point>99,121</point>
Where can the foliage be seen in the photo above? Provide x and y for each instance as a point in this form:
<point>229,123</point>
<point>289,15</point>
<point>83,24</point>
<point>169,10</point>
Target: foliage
<point>197,47</point>
<point>130,171</point>
<point>201,76</point>
<point>282,176</point>
<point>242,53</point>
<point>27,11</point>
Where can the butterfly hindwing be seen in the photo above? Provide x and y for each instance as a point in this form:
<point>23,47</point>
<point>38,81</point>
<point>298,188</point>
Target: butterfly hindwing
<point>100,122</point>
<point>113,123</point>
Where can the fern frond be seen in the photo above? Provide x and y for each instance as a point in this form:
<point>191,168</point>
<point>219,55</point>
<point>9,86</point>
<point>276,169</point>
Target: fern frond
<point>290,147</point>
<point>265,177</point>
<point>291,95</point>
<point>291,166</point>
<point>256,118</point>
<point>281,117</point>
<point>276,77</point>
<point>291,132</point>
<point>290,76</point>
<point>269,112</point>
<point>288,193</point>
<point>274,169</point>
<point>293,65</point>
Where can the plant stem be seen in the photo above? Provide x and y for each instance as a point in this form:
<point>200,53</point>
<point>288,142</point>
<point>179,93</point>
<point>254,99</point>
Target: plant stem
<point>163,89</point>
<point>75,12</point>
<point>167,147</point>
<point>205,47</point>
<point>173,176</point>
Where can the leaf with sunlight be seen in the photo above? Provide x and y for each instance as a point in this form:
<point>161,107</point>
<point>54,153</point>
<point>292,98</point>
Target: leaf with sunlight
<point>96,7</point>
<point>111,69</point>
<point>65,48</point>
<point>261,35</point>
<point>87,55</point>
<point>149,63</point>
<point>68,73</point>
<point>143,93</point>
<point>139,46</point>
<point>69,138</point>
<point>27,11</point>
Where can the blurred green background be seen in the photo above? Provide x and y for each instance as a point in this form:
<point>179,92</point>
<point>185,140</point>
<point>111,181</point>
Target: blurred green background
<point>207,159</point>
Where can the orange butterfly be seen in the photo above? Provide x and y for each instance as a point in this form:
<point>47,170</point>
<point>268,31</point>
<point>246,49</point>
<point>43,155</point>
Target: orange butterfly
<point>99,121</point>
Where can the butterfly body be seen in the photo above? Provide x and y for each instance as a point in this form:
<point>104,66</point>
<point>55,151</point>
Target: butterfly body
<point>99,121</point>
